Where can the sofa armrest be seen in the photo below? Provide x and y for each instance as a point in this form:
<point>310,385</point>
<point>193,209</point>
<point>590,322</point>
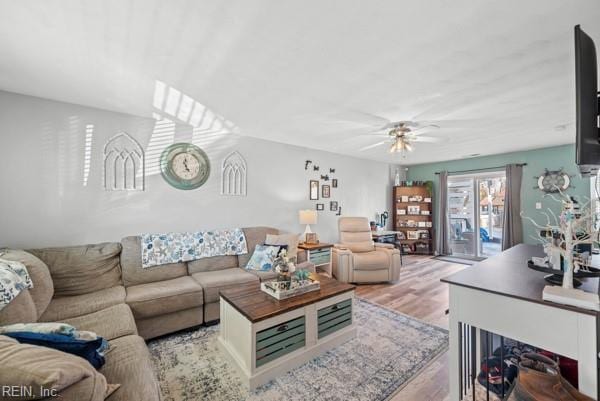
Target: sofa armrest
<point>342,263</point>
<point>395,263</point>
<point>301,257</point>
<point>307,266</point>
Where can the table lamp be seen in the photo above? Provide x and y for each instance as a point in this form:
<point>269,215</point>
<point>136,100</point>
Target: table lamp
<point>307,217</point>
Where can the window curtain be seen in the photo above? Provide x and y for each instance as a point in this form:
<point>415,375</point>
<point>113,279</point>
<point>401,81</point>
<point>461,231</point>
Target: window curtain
<point>442,239</point>
<point>512,230</point>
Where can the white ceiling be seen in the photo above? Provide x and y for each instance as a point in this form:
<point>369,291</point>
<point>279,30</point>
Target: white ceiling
<point>498,74</point>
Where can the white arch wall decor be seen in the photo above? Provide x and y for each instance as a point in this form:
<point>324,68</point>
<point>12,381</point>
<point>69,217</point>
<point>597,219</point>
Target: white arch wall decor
<point>124,168</point>
<point>234,174</point>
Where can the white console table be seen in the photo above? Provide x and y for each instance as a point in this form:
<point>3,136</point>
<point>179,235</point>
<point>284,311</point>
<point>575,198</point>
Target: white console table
<point>502,296</point>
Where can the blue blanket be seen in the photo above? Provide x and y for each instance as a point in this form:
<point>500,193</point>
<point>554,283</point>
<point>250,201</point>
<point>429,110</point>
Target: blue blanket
<point>161,249</point>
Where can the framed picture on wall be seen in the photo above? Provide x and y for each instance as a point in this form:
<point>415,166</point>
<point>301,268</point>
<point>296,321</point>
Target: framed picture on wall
<point>325,191</point>
<point>333,206</point>
<point>314,190</point>
<point>334,183</point>
<point>320,206</point>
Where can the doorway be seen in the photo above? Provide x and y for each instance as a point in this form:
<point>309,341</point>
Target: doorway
<point>476,213</point>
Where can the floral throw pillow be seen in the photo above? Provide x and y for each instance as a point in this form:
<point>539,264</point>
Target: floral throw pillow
<point>263,257</point>
<point>14,278</point>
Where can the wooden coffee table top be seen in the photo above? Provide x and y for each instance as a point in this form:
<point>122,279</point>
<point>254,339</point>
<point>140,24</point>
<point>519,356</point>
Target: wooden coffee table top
<point>256,305</point>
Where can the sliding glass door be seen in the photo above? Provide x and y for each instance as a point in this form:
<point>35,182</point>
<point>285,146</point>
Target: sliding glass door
<point>476,211</point>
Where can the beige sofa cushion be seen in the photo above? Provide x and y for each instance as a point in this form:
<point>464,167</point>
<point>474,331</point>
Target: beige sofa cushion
<point>356,230</point>
<point>129,364</point>
<point>353,224</point>
<point>131,264</point>
<point>291,240</point>
<point>82,269</point>
<point>153,299</point>
<point>376,260</point>
<point>215,281</point>
<point>213,263</point>
<point>263,275</point>
<point>43,288</point>
<point>110,323</point>
<point>41,367</point>
<point>254,236</point>
<point>62,308</point>
<point>365,246</point>
<point>19,310</point>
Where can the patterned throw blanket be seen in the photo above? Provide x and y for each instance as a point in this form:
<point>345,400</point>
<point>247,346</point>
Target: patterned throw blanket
<point>14,278</point>
<point>161,249</point>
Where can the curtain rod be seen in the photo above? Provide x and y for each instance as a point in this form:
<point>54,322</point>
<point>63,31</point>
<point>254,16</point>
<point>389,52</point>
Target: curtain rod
<point>479,169</point>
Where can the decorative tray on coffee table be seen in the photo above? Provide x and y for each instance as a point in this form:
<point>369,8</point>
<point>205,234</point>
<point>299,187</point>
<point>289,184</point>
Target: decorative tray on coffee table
<point>279,290</point>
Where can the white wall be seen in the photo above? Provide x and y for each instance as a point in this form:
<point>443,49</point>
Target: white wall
<point>43,200</point>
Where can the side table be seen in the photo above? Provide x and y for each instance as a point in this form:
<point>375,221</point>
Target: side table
<point>320,255</point>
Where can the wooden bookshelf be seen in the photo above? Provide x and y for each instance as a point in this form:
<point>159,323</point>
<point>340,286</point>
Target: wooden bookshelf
<point>413,216</point>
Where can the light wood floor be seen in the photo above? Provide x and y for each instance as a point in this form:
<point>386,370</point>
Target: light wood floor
<point>419,293</point>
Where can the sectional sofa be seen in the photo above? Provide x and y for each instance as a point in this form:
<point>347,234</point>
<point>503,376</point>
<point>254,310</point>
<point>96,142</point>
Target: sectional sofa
<point>103,288</point>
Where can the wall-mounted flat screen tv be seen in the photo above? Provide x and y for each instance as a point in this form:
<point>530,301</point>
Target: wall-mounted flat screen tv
<point>588,105</point>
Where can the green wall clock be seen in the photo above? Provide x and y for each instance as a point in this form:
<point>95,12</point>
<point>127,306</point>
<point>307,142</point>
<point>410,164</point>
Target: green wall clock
<point>184,166</point>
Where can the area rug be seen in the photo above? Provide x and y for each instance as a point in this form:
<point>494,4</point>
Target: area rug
<point>389,350</point>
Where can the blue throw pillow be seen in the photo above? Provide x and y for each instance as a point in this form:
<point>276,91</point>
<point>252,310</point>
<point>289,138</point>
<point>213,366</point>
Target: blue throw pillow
<point>90,350</point>
<point>263,257</point>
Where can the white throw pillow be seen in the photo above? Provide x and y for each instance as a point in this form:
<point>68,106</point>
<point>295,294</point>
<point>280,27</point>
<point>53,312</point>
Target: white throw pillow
<point>291,240</point>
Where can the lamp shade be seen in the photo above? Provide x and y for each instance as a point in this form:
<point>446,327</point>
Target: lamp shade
<point>307,216</point>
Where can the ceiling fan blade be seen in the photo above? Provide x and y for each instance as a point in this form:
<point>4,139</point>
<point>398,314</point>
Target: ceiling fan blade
<point>424,126</point>
<point>419,138</point>
<point>372,146</point>
<point>460,123</point>
<point>358,117</point>
<point>374,117</point>
<point>375,133</point>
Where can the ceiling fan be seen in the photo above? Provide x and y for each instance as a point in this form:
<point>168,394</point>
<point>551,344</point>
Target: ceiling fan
<point>402,136</point>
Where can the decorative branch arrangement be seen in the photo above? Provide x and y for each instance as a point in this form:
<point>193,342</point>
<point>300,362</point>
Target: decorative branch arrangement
<point>574,226</point>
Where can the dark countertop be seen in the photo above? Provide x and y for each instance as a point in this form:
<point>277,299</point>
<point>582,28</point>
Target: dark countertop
<point>507,274</point>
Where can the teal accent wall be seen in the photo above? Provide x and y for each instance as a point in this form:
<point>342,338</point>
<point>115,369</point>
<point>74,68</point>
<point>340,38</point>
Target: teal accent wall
<point>551,158</point>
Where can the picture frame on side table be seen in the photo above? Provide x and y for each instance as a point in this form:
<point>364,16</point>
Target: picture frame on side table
<point>325,191</point>
<point>314,190</point>
<point>311,238</point>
